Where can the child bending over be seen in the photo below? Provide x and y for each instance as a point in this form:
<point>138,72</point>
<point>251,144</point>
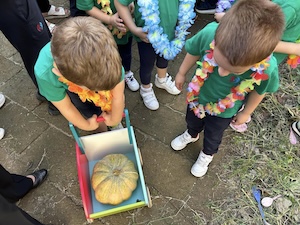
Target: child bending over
<point>80,72</point>
<point>235,61</point>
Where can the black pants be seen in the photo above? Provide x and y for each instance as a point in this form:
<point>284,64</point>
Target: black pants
<point>24,26</point>
<point>12,188</point>
<point>125,53</point>
<point>44,5</point>
<point>147,60</point>
<point>75,11</point>
<point>213,127</point>
<point>87,109</point>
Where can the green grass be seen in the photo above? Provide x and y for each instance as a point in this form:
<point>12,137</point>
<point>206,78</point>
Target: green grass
<point>264,157</point>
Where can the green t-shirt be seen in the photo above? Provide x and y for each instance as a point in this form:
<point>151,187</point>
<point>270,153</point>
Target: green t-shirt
<point>291,11</point>
<point>217,87</point>
<point>49,85</point>
<point>168,14</point>
<point>86,5</point>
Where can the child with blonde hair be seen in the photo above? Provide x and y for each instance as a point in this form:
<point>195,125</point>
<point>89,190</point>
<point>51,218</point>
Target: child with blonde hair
<point>80,72</point>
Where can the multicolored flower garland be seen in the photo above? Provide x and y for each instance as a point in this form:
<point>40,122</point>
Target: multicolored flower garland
<point>293,60</point>
<point>102,99</point>
<point>159,40</point>
<point>237,93</point>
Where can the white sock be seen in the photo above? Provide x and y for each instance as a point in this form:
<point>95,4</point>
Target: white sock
<point>161,80</point>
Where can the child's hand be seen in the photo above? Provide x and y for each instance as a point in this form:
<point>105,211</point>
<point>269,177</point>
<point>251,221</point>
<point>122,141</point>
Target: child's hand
<point>179,81</point>
<point>218,16</point>
<point>108,119</point>
<point>141,34</point>
<point>93,124</point>
<point>240,118</point>
<point>117,22</point>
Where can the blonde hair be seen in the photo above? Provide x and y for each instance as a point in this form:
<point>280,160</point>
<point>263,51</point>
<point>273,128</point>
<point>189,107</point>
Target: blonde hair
<point>249,31</point>
<point>86,53</point>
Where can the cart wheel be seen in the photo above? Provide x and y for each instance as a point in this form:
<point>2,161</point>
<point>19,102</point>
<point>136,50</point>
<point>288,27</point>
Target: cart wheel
<point>141,159</point>
<point>149,198</point>
<point>89,220</point>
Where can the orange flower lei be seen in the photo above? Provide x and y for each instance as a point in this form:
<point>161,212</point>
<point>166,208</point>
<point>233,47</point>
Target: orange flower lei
<point>102,99</point>
<point>237,93</point>
<point>293,60</point>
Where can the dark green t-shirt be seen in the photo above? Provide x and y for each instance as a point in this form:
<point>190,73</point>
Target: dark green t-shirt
<point>49,85</point>
<point>86,5</point>
<point>217,87</point>
<point>168,14</point>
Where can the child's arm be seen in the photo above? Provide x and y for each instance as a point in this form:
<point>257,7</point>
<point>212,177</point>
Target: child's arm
<point>113,20</point>
<point>289,48</point>
<point>118,103</point>
<point>251,104</point>
<point>188,62</point>
<point>125,14</point>
<point>71,113</point>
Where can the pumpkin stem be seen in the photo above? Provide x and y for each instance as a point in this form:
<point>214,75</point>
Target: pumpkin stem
<point>116,172</point>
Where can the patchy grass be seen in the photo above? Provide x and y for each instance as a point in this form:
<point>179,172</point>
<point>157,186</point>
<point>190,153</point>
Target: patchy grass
<point>264,157</point>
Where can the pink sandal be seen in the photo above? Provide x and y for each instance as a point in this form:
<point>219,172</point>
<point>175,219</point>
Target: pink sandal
<point>242,127</point>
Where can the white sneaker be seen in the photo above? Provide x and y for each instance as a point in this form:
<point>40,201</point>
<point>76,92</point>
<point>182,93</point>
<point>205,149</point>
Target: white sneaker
<point>131,82</point>
<point>117,127</point>
<point>168,85</point>
<point>182,140</point>
<point>149,97</point>
<point>2,132</point>
<point>2,100</point>
<point>200,167</point>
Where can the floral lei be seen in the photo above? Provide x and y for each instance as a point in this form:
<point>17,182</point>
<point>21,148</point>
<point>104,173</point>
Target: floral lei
<point>223,5</point>
<point>294,60</point>
<point>237,93</point>
<point>159,40</point>
<point>102,99</point>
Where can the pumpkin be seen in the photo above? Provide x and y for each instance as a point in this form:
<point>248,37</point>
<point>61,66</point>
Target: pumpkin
<point>114,179</point>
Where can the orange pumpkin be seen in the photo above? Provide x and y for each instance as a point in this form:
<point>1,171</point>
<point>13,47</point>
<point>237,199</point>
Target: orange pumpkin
<point>114,179</point>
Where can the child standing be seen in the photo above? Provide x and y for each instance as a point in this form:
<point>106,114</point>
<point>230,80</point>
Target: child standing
<point>105,11</point>
<point>80,71</point>
<point>287,45</point>
<point>231,67</point>
<point>156,20</point>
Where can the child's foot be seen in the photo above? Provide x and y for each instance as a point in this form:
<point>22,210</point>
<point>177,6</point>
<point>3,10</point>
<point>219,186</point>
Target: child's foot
<point>182,140</point>
<point>131,82</point>
<point>167,84</point>
<point>117,127</point>
<point>2,132</point>
<point>2,100</point>
<point>149,97</point>
<point>200,167</point>
<point>56,12</point>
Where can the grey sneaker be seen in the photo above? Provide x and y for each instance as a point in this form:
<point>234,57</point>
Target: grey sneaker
<point>182,140</point>
<point>200,167</point>
<point>2,100</point>
<point>168,85</point>
<point>117,127</point>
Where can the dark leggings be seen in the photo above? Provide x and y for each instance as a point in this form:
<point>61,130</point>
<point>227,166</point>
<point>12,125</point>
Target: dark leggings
<point>125,53</point>
<point>213,127</point>
<point>44,5</point>
<point>87,109</point>
<point>24,26</point>
<point>147,60</point>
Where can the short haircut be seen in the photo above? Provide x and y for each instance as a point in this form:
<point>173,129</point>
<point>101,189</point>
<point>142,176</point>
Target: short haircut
<point>249,31</point>
<point>86,53</point>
